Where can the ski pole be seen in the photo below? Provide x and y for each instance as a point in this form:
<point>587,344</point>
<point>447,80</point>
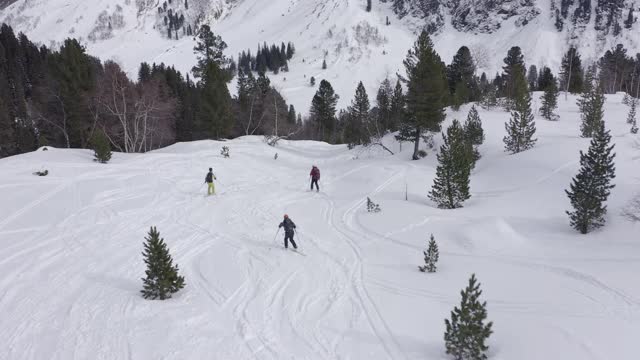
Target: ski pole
<point>275,237</point>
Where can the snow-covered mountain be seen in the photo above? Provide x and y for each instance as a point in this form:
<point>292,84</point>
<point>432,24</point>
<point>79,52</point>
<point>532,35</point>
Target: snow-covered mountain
<point>356,44</point>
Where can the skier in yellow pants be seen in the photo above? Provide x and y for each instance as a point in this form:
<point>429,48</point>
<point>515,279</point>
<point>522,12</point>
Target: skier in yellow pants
<point>209,180</point>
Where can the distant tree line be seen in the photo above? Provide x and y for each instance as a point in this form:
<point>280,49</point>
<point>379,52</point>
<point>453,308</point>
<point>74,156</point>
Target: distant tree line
<point>273,58</point>
<point>64,98</point>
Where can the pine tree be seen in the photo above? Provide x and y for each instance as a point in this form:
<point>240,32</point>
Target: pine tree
<point>466,333</point>
<point>101,147</point>
<point>451,185</point>
<point>592,186</point>
<point>430,257</point>
<point>291,115</point>
<point>629,22</point>
<point>162,276</point>
<point>323,110</point>
<point>324,64</point>
<point>591,105</point>
<point>397,106</point>
<point>513,69</point>
<point>368,5</point>
<point>357,131</point>
<point>631,117</point>
<point>571,72</point>
<point>383,101</point>
<point>426,90</point>
<point>312,82</point>
<point>473,133</point>
<point>461,76</point>
<point>473,127</point>
<point>546,78</point>
<point>210,48</point>
<point>521,127</point>
<point>214,118</point>
<point>532,78</point>
<point>550,102</point>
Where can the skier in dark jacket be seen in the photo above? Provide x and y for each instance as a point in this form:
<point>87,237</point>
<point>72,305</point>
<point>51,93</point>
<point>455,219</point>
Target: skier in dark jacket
<point>315,176</point>
<point>289,228</point>
<point>209,180</point>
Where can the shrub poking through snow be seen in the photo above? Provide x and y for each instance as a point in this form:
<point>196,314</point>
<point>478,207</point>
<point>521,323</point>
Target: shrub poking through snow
<point>372,207</point>
<point>41,173</point>
<point>431,256</point>
<point>225,151</point>
<point>162,276</point>
<point>466,331</point>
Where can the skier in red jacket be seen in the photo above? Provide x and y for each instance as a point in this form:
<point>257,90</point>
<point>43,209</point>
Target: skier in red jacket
<point>315,176</point>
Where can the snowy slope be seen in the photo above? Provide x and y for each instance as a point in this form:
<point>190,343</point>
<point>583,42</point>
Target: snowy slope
<point>357,45</point>
<point>70,243</point>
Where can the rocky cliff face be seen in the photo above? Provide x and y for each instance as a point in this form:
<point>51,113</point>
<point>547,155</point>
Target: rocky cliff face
<point>487,16</point>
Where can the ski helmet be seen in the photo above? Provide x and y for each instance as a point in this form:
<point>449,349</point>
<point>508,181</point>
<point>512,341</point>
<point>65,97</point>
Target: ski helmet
<point>286,216</point>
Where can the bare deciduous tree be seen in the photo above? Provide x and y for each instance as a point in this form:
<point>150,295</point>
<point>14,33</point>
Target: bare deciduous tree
<point>137,117</point>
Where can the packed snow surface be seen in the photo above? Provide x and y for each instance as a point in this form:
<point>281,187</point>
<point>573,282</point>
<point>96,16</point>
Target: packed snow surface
<point>71,242</point>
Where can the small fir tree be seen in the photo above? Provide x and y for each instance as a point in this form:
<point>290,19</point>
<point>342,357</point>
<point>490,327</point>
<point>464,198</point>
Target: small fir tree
<point>372,207</point>
<point>162,276</point>
<point>592,186</point>
<point>312,81</point>
<point>634,128</point>
<point>101,147</point>
<point>466,333</point>
<point>430,257</point>
<point>451,185</point>
<point>591,111</point>
<point>550,101</point>
<point>324,64</point>
<point>368,5</point>
<point>522,127</point>
<point>631,117</point>
<point>473,132</point>
<point>225,151</point>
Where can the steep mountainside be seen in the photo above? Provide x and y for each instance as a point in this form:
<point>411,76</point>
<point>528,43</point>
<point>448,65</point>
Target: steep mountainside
<point>357,45</point>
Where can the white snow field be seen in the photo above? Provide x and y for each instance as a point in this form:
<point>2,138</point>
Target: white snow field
<point>71,242</point>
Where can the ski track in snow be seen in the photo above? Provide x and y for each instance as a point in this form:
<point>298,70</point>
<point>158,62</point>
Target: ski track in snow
<point>70,259</point>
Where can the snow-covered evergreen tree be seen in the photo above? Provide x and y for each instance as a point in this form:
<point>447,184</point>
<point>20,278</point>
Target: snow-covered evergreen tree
<point>591,105</point>
<point>631,117</point>
<point>357,129</point>
<point>431,256</point>
<point>467,331</point>
<point>550,101</point>
<point>591,187</point>
<point>473,132</point>
<point>162,276</point>
<point>522,127</point>
<point>451,185</point>
<point>101,147</point>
